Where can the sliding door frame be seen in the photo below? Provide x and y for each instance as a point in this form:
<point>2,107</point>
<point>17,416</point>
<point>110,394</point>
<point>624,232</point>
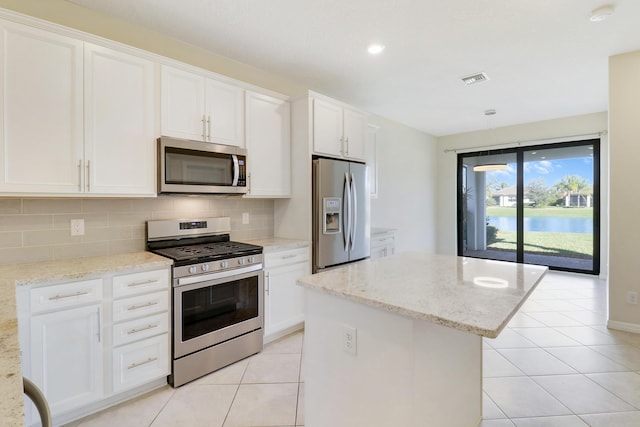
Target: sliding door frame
<point>519,151</point>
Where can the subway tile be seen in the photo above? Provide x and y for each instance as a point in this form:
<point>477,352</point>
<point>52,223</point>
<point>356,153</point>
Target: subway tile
<point>23,255</point>
<point>106,205</point>
<point>10,206</point>
<point>50,237</point>
<point>48,206</point>
<point>126,246</point>
<point>25,222</point>
<point>127,219</point>
<point>11,239</point>
<point>80,250</point>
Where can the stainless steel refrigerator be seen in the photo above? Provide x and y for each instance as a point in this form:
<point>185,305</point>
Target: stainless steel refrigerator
<point>341,228</point>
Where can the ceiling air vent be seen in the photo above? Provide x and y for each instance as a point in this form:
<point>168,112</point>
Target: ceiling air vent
<point>475,78</point>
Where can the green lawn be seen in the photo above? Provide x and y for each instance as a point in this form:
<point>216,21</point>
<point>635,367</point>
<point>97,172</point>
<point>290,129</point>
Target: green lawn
<point>548,211</point>
<point>573,245</point>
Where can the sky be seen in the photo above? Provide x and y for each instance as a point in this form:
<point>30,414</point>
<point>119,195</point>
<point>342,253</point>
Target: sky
<point>552,171</point>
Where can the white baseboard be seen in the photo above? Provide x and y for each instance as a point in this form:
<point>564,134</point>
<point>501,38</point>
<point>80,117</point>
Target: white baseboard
<point>624,326</point>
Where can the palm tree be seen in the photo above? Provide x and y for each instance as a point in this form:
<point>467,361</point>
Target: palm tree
<point>572,184</point>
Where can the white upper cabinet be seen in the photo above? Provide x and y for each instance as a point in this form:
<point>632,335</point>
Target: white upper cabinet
<point>76,119</point>
<point>200,108</point>
<point>269,145</point>
<point>338,131</point>
<point>41,145</point>
<point>354,134</point>
<point>224,105</point>
<point>119,122</point>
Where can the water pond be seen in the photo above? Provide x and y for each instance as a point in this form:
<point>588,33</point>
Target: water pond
<point>542,223</point>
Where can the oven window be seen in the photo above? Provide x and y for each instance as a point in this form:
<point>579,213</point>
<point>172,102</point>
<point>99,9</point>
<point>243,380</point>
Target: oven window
<point>211,308</point>
<point>197,167</point>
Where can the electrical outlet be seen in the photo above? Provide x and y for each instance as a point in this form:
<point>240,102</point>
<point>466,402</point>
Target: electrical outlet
<point>632,297</point>
<point>245,217</point>
<point>77,227</point>
<point>350,339</point>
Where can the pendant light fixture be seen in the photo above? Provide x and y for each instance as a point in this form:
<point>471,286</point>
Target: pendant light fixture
<point>490,166</point>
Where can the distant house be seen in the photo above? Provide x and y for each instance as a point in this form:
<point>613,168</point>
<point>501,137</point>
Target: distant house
<point>508,196</point>
<point>582,200</point>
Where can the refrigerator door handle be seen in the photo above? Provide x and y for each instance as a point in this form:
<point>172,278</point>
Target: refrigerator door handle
<point>354,196</point>
<point>346,214</point>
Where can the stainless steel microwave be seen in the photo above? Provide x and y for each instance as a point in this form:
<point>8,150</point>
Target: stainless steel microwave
<point>196,167</point>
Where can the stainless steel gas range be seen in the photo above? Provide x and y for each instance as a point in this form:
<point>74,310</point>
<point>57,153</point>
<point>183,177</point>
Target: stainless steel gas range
<point>218,289</point>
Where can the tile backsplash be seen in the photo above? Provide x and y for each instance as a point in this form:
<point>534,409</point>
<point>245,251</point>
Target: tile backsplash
<point>38,229</point>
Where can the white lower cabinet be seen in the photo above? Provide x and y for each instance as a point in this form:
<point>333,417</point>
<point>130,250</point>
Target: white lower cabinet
<point>383,243</point>
<point>86,341</point>
<point>66,356</point>
<point>137,363</point>
<point>284,299</point>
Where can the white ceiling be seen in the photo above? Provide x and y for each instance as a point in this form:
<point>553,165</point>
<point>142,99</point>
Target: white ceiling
<point>544,58</point>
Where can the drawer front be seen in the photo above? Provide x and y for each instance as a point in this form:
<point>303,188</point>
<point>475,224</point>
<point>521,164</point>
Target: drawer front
<point>141,362</point>
<point>276,259</point>
<point>382,241</point>
<point>142,305</point>
<point>138,283</point>
<point>65,295</point>
<point>138,329</point>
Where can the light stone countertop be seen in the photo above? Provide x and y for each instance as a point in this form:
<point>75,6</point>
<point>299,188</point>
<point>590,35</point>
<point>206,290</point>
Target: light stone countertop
<point>442,289</point>
<point>381,230</point>
<point>275,244</point>
<point>11,276</point>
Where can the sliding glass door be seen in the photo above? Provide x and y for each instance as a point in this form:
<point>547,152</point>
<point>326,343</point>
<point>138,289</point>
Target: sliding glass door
<point>537,205</point>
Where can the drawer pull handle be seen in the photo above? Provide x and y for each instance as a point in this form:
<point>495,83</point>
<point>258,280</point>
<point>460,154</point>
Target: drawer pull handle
<point>75,294</point>
<point>146,328</point>
<point>146,282</point>
<point>136,307</point>
<point>289,256</point>
<point>136,364</point>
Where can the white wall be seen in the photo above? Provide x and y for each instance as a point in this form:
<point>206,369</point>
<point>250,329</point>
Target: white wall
<point>548,131</point>
<point>624,124</point>
<point>407,185</point>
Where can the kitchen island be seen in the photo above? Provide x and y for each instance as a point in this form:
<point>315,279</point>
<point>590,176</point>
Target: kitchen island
<point>398,340</point>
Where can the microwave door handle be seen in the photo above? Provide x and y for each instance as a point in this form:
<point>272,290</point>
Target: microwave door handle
<point>236,170</point>
<point>346,211</point>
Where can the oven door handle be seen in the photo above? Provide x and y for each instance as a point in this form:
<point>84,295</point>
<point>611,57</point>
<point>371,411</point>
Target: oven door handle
<point>220,275</point>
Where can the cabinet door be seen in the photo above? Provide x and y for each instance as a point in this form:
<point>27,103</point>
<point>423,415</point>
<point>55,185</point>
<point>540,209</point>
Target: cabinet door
<point>327,128</point>
<point>41,119</point>
<point>354,134</point>
<point>182,104</point>
<point>284,305</point>
<point>269,145</point>
<point>66,357</point>
<point>119,123</point>
<point>224,104</point>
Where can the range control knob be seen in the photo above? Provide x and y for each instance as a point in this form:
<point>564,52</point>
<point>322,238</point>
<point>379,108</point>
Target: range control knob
<point>205,267</point>
<point>252,259</point>
<point>192,270</point>
<point>241,261</point>
<point>224,264</point>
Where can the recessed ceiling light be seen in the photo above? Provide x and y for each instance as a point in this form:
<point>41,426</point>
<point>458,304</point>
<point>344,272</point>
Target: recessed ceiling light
<point>601,13</point>
<point>375,48</point>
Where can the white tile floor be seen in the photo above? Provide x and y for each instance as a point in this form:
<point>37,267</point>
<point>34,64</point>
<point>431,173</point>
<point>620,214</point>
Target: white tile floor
<point>556,364</point>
